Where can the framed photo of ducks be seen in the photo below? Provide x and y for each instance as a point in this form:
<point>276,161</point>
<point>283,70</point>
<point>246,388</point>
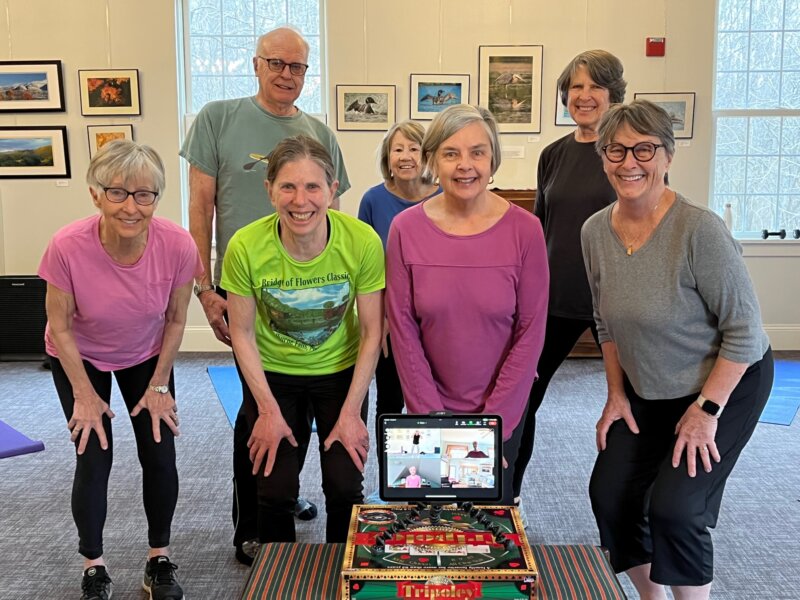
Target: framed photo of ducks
<point>510,85</point>
<point>431,94</point>
<point>365,107</point>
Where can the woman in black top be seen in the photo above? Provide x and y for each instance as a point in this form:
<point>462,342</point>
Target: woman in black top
<point>571,186</point>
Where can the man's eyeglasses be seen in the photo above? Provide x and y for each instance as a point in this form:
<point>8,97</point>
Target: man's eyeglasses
<point>277,65</point>
<point>120,195</point>
<point>643,151</point>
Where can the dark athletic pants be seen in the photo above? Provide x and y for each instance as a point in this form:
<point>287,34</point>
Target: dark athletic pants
<point>341,480</point>
<point>649,512</point>
<point>244,510</point>
<point>90,486</point>
<point>390,394</point>
<point>560,337</point>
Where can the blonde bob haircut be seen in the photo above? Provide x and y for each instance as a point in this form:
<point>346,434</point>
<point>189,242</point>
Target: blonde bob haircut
<point>452,120</point>
<point>411,130</point>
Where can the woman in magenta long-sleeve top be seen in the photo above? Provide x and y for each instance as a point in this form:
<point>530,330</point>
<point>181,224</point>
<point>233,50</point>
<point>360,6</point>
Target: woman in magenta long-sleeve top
<point>467,285</point>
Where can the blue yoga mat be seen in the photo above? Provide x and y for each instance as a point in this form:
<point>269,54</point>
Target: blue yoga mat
<point>229,390</point>
<point>785,397</point>
<point>13,443</point>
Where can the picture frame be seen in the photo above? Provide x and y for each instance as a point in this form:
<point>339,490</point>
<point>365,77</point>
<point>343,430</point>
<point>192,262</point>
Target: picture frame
<point>31,86</point>
<point>365,107</point>
<point>510,85</point>
<point>36,152</point>
<point>109,92</point>
<point>679,105</point>
<point>563,118</point>
<point>432,93</point>
<point>100,135</point>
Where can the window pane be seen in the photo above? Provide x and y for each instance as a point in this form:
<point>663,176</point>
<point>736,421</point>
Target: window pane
<point>790,91</point>
<point>790,141</point>
<point>789,213</point>
<point>237,17</point>
<point>206,56</point>
<point>766,15</point>
<point>305,16</point>
<point>765,136</point>
<point>204,90</point>
<point>310,100</point>
<point>729,174</point>
<point>239,87</point>
<point>762,175</point>
<point>731,136</point>
<point>238,55</point>
<point>205,17</point>
<point>763,90</point>
<point>790,175</point>
<point>791,51</point>
<point>765,51</point>
<point>269,14</point>
<point>732,51</point>
<point>734,15</point>
<point>792,14</point>
<point>731,91</point>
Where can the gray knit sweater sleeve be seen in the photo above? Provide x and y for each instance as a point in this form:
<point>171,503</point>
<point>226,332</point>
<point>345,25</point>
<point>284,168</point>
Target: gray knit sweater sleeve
<point>677,303</point>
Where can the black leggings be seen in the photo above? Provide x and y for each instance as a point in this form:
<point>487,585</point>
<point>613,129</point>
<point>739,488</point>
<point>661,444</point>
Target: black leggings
<point>390,394</point>
<point>340,480</point>
<point>559,339</point>
<point>159,473</point>
<point>647,511</point>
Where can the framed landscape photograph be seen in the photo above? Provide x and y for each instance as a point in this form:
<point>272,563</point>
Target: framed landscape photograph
<point>510,85</point>
<point>100,135</point>
<point>109,92</point>
<point>34,152</point>
<point>679,105</point>
<point>31,86</point>
<point>431,94</point>
<point>563,118</point>
<point>365,107</point>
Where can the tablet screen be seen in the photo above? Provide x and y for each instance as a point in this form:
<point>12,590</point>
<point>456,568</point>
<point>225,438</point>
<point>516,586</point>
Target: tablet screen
<point>451,458</point>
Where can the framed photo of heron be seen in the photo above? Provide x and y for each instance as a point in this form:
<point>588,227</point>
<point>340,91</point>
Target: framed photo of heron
<point>365,107</point>
<point>431,94</point>
<point>34,152</point>
<point>31,86</point>
<point>679,106</point>
<point>100,135</point>
<point>109,92</point>
<point>510,85</point>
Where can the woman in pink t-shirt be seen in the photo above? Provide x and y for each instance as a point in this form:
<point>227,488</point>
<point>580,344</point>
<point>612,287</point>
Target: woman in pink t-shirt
<point>118,288</point>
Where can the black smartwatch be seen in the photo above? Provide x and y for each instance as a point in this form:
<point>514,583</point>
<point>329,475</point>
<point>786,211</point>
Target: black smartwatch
<point>709,406</point>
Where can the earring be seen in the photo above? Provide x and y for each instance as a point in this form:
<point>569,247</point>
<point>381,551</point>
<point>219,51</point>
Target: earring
<point>391,175</point>
<point>436,180</point>
<point>491,179</point>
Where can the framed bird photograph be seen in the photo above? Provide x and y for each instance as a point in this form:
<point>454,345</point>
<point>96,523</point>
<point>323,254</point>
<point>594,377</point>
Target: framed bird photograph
<point>679,106</point>
<point>510,85</point>
<point>365,107</point>
<point>431,94</point>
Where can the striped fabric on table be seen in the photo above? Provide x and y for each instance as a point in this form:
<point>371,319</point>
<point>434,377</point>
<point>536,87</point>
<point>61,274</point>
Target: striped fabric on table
<point>311,572</point>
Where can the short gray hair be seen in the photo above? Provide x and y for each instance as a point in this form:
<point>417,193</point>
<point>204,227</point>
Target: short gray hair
<point>411,130</point>
<point>604,68</point>
<point>280,31</point>
<point>127,160</point>
<point>297,148</point>
<point>643,117</point>
<point>453,119</point>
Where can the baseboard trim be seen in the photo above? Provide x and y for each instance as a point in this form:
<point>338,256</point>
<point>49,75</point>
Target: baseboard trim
<point>784,337</point>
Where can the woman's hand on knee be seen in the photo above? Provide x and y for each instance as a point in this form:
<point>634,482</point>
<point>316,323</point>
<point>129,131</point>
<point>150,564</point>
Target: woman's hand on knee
<point>696,433</point>
<point>617,407</point>
<point>352,433</point>
<point>87,416</point>
<point>267,434</point>
<point>161,407</point>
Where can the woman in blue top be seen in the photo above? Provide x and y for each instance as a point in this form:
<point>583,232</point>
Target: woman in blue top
<point>404,184</point>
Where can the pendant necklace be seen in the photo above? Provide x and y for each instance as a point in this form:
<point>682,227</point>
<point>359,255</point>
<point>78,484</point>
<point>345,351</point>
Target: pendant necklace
<point>629,243</point>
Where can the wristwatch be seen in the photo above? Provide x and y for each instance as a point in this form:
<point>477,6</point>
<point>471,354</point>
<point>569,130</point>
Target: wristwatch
<point>709,406</point>
<point>199,288</point>
<point>160,389</point>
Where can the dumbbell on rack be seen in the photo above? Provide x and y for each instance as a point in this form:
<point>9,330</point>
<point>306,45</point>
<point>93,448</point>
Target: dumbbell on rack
<point>767,234</point>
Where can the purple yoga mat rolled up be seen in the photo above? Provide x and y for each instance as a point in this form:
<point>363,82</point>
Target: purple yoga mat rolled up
<point>13,443</point>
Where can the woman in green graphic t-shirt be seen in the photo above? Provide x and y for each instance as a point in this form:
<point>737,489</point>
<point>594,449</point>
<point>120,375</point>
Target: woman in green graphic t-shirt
<point>305,302</point>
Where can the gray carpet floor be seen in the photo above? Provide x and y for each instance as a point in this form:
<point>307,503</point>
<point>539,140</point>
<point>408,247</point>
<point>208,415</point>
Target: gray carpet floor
<point>757,540</point>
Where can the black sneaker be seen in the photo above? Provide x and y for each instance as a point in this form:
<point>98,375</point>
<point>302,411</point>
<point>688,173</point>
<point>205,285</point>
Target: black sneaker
<point>305,510</point>
<point>96,584</point>
<point>160,580</point>
<point>246,552</point>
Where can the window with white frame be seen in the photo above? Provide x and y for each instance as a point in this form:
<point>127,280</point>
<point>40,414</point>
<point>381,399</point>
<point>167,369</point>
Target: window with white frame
<point>757,115</point>
<point>219,44</point>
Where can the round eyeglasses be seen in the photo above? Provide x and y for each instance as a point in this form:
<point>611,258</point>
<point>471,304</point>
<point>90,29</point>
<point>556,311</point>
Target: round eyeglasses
<point>277,65</point>
<point>120,195</point>
<point>643,151</point>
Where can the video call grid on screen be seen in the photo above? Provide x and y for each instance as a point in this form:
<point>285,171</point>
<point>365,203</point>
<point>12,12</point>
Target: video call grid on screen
<point>441,459</point>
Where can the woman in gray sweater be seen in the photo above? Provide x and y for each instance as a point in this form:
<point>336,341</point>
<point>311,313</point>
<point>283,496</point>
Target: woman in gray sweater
<point>688,364</point>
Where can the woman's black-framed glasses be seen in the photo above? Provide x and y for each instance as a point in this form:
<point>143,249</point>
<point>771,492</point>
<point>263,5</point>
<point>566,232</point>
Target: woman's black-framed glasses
<point>119,195</point>
<point>277,65</point>
<point>643,151</point>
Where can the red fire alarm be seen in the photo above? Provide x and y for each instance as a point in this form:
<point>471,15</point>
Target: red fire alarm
<point>655,46</point>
